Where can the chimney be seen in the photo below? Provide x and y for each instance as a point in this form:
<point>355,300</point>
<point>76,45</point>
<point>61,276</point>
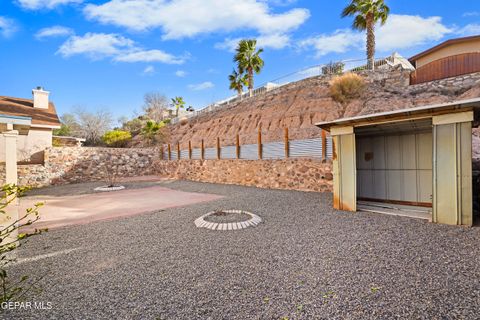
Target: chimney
<point>40,98</point>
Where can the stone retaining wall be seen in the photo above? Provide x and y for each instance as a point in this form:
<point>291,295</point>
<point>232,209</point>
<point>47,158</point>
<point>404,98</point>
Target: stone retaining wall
<point>78,164</point>
<point>291,174</point>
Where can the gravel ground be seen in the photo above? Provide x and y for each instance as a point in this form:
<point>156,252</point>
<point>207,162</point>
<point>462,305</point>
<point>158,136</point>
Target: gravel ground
<point>88,188</point>
<point>222,217</point>
<point>306,261</point>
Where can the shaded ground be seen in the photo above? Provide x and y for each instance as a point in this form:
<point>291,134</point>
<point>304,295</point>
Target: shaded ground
<point>88,187</point>
<point>86,206</point>
<point>305,261</point>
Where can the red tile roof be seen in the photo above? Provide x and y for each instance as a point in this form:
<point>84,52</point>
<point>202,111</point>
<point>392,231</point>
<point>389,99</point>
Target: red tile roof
<point>24,107</point>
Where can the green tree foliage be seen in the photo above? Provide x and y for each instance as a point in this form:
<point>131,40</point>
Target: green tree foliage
<point>178,103</point>
<point>237,82</point>
<point>248,60</point>
<point>117,138</point>
<point>366,14</point>
<point>11,239</point>
<point>69,126</point>
<point>153,133</point>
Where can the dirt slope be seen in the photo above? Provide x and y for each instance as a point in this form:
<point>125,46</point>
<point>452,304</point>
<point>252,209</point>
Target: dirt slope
<point>298,106</point>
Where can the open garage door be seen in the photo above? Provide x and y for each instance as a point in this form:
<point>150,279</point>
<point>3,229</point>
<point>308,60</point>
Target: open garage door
<point>394,167</point>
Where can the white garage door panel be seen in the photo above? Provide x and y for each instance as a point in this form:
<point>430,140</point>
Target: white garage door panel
<point>397,167</point>
<point>379,186</point>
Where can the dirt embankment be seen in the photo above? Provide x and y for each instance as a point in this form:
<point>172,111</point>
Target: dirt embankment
<point>298,106</point>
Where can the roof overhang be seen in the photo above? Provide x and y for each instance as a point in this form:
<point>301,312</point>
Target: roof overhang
<point>21,124</point>
<point>442,45</point>
<point>417,113</point>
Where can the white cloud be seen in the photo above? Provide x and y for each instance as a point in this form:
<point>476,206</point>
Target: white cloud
<point>95,45</point>
<point>201,86</point>
<point>400,32</point>
<point>149,56</point>
<point>272,41</point>
<point>149,70</point>
<point>44,4</point>
<point>340,41</point>
<point>281,3</point>
<point>55,31</point>
<point>102,45</point>
<point>403,31</point>
<point>188,18</point>
<point>471,14</point>
<point>180,73</point>
<point>7,27</point>
<point>469,30</point>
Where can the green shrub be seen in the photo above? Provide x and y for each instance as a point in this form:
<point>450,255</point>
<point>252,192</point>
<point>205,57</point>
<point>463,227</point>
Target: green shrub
<point>347,87</point>
<point>11,239</point>
<point>117,138</point>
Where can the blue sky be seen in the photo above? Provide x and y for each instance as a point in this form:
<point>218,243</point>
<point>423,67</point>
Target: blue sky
<point>107,54</point>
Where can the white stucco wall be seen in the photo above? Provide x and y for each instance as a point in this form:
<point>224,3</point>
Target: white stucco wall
<point>27,145</point>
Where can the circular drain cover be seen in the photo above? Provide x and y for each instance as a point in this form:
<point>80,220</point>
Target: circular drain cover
<point>227,220</point>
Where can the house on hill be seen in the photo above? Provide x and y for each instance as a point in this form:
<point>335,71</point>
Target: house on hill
<point>451,58</point>
<point>32,121</point>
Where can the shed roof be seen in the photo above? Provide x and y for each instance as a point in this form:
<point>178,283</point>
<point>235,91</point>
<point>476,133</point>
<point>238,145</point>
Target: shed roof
<point>442,45</point>
<point>24,108</point>
<point>403,114</point>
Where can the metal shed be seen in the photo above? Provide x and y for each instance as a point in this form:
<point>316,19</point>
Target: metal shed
<point>415,161</point>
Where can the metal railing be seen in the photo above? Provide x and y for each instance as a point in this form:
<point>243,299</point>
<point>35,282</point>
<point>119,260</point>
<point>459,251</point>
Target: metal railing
<point>325,70</point>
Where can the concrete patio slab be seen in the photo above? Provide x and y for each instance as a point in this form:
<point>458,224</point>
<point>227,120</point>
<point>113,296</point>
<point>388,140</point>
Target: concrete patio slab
<point>80,209</point>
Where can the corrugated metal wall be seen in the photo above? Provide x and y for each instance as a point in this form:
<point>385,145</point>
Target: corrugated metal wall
<point>307,148</point>
<point>453,173</point>
<point>395,167</point>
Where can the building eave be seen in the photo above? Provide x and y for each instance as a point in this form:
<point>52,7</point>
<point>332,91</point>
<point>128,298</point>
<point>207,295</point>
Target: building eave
<point>442,45</point>
<point>403,114</point>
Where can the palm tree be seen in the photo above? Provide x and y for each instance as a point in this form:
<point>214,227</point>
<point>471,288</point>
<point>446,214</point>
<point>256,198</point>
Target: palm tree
<point>152,132</point>
<point>178,103</point>
<point>367,13</point>
<point>248,60</point>
<point>237,82</point>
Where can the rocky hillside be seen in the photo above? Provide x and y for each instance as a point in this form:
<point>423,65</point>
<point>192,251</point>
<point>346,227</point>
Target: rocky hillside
<point>298,106</point>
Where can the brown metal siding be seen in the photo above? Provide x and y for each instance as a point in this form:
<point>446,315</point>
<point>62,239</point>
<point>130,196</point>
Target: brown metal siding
<point>447,67</point>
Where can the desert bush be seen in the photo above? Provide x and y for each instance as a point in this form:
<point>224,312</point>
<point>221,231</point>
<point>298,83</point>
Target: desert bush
<point>346,87</point>
<point>333,68</point>
<point>11,239</point>
<point>117,138</point>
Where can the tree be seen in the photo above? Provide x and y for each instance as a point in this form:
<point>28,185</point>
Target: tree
<point>155,106</point>
<point>366,14</point>
<point>237,82</point>
<point>117,138</point>
<point>178,103</point>
<point>153,132</point>
<point>92,126</point>
<point>248,60</point>
<point>134,126</point>
<point>69,126</point>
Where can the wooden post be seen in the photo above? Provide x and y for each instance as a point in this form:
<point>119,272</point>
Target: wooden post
<point>169,152</point>
<point>218,148</point>
<point>178,151</point>
<point>287,144</point>
<point>260,156</point>
<point>238,146</point>
<point>324,144</point>
<point>161,152</point>
<point>202,151</point>
<point>190,150</point>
